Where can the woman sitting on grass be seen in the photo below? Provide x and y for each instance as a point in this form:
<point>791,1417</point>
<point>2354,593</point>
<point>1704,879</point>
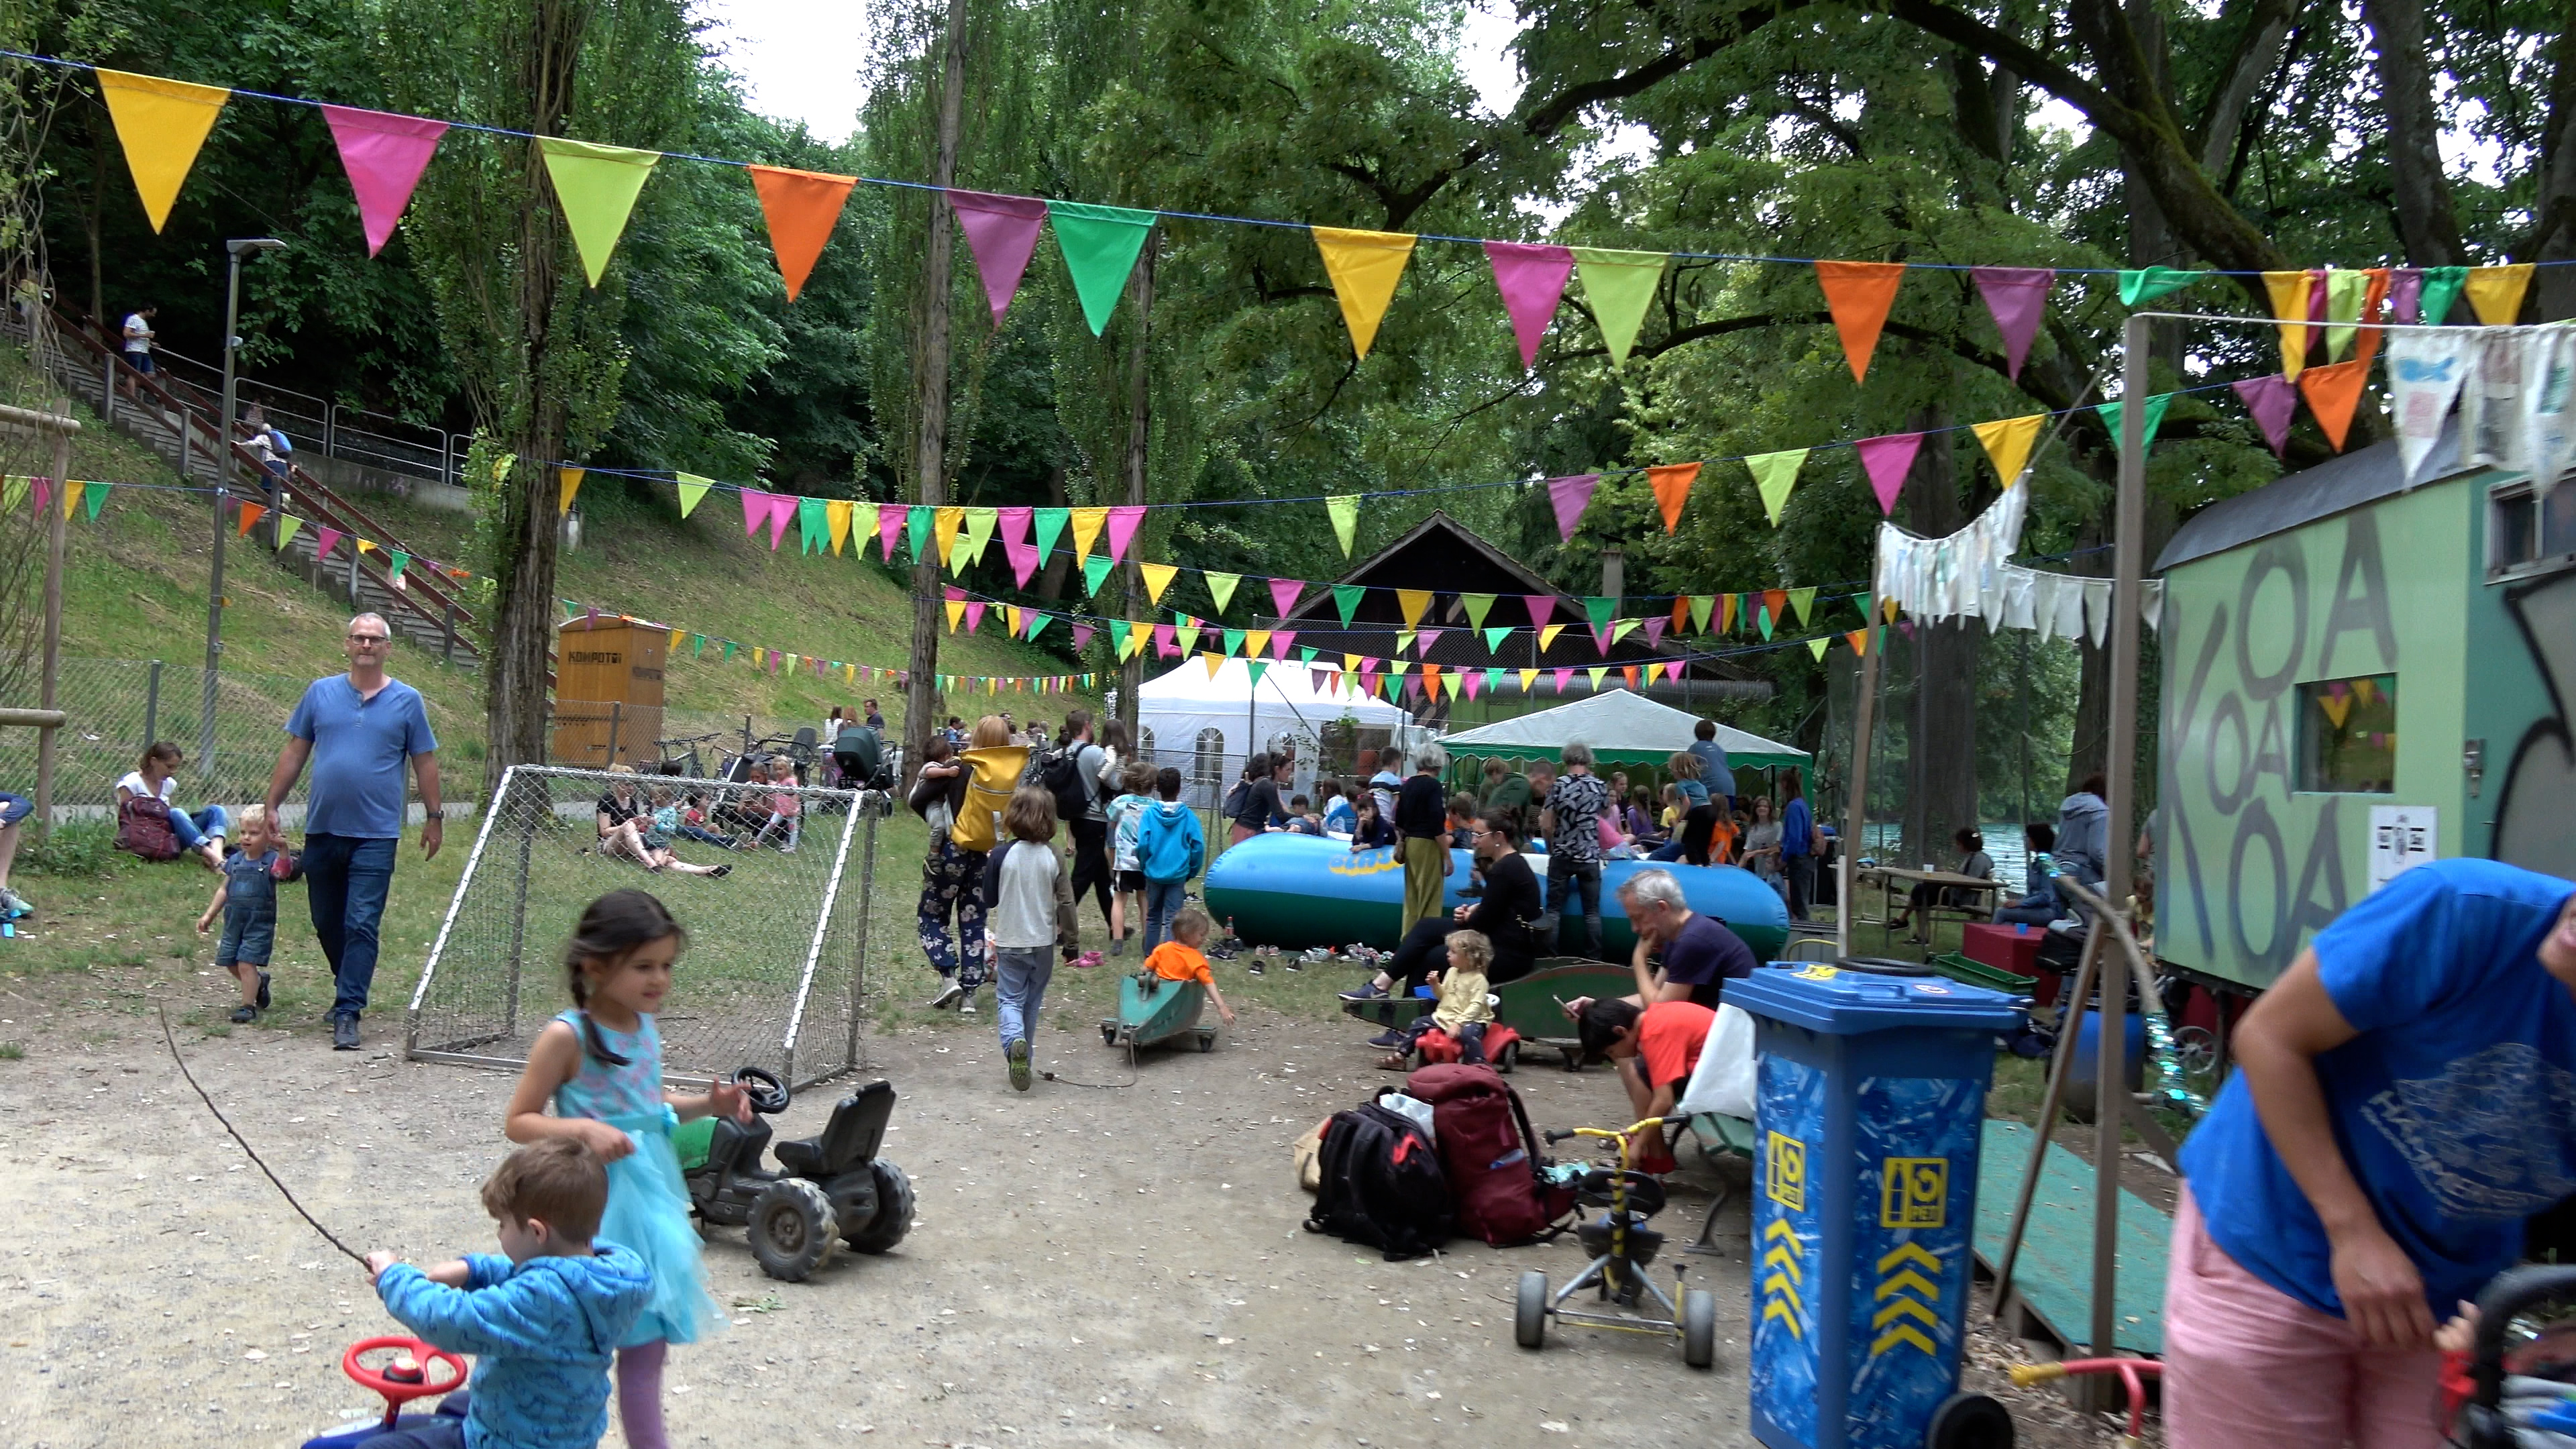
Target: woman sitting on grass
<point>625,821</point>
<point>201,833</point>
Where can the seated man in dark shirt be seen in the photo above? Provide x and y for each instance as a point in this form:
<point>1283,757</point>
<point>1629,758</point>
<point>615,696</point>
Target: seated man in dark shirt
<point>1507,913</point>
<point>1700,954</point>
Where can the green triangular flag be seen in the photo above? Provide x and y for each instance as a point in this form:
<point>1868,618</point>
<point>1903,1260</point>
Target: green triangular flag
<point>1764,613</point>
<point>1037,621</point>
<point>917,523</point>
<point>728,651</point>
<point>94,497</point>
<point>1233,642</point>
<point>1346,521</point>
<point>1620,286</point>
<point>1118,638</point>
<point>697,645</point>
<point>2156,406</point>
<point>813,525</point>
<point>2148,283</point>
<point>1346,597</point>
<point>692,488</point>
<point>1599,610</point>
<point>1623,629</point>
<point>1774,474</point>
<point>1257,668</point>
<point>1700,605</point>
<point>1802,600</point>
<point>1816,646</point>
<point>1100,244</point>
<point>1495,636</point>
<point>1221,587</point>
<point>395,562</point>
<point>597,186</point>
<point>1186,630</point>
<point>1095,572</point>
<point>1476,605</point>
<point>1493,680</point>
<point>2441,288</point>
<point>1051,522</point>
<point>1305,656</point>
<point>287,523</point>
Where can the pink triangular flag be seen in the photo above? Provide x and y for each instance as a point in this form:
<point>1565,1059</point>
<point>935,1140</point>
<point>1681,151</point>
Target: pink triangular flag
<point>1888,460</point>
<point>1655,629</point>
<point>1280,640</point>
<point>2273,401</point>
<point>1475,681</point>
<point>1082,637</point>
<point>2405,294</point>
<point>1542,607</point>
<point>1569,496</point>
<point>1532,281</point>
<point>1122,527</point>
<point>975,616</point>
<point>1164,644</point>
<point>782,507</point>
<point>323,539</point>
<point>2018,298</point>
<point>1283,594</point>
<point>1014,526</point>
<point>1423,639</point>
<point>1564,677</point>
<point>755,510</point>
<point>1001,231</point>
<point>384,155</point>
<point>890,521</point>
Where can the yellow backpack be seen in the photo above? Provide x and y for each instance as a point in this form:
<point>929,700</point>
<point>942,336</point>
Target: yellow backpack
<point>996,774</point>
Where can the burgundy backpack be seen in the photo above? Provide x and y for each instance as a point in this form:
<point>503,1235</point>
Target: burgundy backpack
<point>143,829</point>
<point>1489,1154</point>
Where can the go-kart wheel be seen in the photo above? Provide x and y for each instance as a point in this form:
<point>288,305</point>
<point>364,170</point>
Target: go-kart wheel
<point>792,1229</point>
<point>1109,1033</point>
<point>767,1094</point>
<point>1699,1328</point>
<point>894,1209</point>
<point>1529,1310</point>
<point>1509,1058</point>
<point>1207,1040</point>
<point>1969,1421</point>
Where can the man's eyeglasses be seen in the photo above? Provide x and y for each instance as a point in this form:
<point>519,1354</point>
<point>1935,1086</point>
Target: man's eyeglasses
<point>370,639</point>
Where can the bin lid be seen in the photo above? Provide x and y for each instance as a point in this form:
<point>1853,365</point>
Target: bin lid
<point>1844,1002</point>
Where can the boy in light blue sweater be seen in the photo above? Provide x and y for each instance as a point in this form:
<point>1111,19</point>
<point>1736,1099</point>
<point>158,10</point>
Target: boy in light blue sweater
<point>544,1320</point>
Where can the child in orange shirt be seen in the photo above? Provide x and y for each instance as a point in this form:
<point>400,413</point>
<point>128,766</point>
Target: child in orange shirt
<point>1179,958</point>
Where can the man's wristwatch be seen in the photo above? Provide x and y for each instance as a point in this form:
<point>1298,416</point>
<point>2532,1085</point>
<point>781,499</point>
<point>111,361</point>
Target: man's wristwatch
<point>433,815</point>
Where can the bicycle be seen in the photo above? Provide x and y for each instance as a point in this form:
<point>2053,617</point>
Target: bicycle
<point>687,758</point>
<point>1622,1247</point>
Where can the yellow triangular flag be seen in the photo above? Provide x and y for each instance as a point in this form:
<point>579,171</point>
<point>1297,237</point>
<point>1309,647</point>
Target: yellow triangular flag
<point>2008,442</point>
<point>676,636</point>
<point>597,186</point>
<point>1364,267</point>
<point>567,483</point>
<point>2496,292</point>
<point>1011,619</point>
<point>161,123</point>
<point>1547,637</point>
<point>1413,602</point>
<point>956,613</point>
<point>943,530</point>
<point>1158,577</point>
<point>1596,672</point>
<point>1528,678</point>
<point>2289,293</point>
<point>1086,529</point>
<point>837,514</point>
<point>1254,641</point>
<point>72,496</point>
<point>1214,663</point>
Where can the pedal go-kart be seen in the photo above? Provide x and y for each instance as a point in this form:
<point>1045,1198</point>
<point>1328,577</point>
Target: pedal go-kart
<point>1621,1246</point>
<point>400,1369</point>
<point>830,1189</point>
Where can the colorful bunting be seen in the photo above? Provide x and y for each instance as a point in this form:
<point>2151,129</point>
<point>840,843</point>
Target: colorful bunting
<point>1887,460</point>
<point>95,497</point>
<point>801,208</point>
<point>567,483</point>
<point>287,523</point>
<point>2333,391</point>
<point>1001,232</point>
<point>1532,280</point>
<point>837,516</point>
<point>1158,577</point>
<point>2017,298</point>
<point>1283,595</point>
<point>384,155</point>
<point>1095,572</point>
<point>1346,597</point>
<point>1569,496</point>
<point>1087,523</point>
<point>1123,521</point>
<point>1100,246</point>
<point>892,520</point>
<point>2289,293</point>
<point>1804,601</point>
<point>1672,485</point>
<point>1364,267</point>
<point>597,186</point>
<point>250,512</point>
<point>2272,400</point>
<point>1412,603</point>
<point>1860,295</point>
<point>2156,406</point>
<point>1221,587</point>
<point>1620,286</point>
<point>2442,288</point>
<point>1774,474</point>
<point>2146,284</point>
<point>161,124</point>
<point>2008,442</point>
<point>2496,295</point>
<point>1345,513</point>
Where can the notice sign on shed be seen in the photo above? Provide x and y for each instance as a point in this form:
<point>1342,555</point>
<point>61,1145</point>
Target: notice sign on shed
<point>2401,838</point>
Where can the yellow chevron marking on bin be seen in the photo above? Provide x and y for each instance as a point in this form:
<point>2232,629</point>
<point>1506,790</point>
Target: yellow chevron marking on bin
<point>1910,1279</point>
<point>1902,1333</point>
<point>1781,1257</point>
<point>1906,1308</point>
<point>1910,1253</point>
<point>1779,1310</point>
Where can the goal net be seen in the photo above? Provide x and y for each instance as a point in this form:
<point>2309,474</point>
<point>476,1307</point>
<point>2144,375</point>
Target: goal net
<point>774,965</point>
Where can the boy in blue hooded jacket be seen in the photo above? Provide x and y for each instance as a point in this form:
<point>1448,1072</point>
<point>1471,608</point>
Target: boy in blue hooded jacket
<point>1170,848</point>
<point>544,1321</point>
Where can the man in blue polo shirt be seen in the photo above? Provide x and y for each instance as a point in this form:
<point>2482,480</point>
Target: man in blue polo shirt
<point>357,729</point>
<point>2405,1099</point>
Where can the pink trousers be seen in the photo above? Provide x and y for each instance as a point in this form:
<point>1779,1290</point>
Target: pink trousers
<point>2249,1367</point>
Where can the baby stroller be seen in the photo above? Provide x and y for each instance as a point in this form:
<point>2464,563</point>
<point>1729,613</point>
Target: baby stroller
<point>2523,1382</point>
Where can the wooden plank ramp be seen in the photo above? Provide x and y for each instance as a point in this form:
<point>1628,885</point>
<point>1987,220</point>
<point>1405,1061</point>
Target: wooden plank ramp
<point>2053,1276</point>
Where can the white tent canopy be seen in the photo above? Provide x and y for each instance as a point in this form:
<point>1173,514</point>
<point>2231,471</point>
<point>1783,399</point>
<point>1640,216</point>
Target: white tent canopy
<point>1189,715</point>
<point>1622,728</point>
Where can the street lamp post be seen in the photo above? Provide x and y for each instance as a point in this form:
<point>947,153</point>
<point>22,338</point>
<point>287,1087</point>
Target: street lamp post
<point>238,249</point>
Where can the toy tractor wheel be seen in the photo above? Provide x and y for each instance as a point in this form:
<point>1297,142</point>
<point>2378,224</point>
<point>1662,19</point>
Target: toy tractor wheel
<point>1109,1033</point>
<point>792,1229</point>
<point>1509,1058</point>
<point>894,1209</point>
<point>1207,1039</point>
<point>1529,1311</point>
<point>1699,1328</point>
<point>1969,1421</point>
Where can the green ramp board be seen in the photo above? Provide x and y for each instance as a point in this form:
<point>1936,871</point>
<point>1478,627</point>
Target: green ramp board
<point>2054,1273</point>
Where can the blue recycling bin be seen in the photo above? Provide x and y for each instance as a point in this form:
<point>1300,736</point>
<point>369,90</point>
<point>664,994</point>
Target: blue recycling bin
<point>1870,1107</point>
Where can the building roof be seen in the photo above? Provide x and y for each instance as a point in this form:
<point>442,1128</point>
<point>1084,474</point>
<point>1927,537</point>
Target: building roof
<point>2338,485</point>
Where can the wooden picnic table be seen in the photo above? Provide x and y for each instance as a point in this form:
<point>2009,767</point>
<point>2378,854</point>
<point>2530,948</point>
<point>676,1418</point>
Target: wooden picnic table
<point>1889,879</point>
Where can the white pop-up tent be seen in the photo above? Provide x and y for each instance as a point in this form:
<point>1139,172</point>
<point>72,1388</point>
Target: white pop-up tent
<point>1208,723</point>
<point>1622,729</point>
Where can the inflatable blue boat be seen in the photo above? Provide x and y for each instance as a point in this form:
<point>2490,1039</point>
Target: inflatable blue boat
<point>1295,891</point>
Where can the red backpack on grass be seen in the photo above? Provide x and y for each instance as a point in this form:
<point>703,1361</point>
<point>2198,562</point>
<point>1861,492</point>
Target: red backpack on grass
<point>1489,1154</point>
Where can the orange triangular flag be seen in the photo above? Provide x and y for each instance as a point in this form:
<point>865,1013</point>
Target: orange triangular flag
<point>802,207</point>
<point>1775,600</point>
<point>1672,485</point>
<point>2333,392</point>
<point>1858,639</point>
<point>2373,304</point>
<point>250,514</point>
<point>1860,294</point>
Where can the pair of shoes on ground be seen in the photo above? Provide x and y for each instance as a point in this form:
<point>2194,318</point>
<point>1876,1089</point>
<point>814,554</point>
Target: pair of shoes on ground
<point>1253,968</point>
<point>249,1011</point>
<point>1085,961</point>
<point>14,906</point>
<point>1017,1055</point>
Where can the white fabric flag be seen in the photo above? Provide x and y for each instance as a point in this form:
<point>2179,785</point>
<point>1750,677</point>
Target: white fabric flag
<point>2019,587</point>
<point>2491,398</point>
<point>2151,603</point>
<point>2425,367</point>
<point>2097,608</point>
<point>2547,442</point>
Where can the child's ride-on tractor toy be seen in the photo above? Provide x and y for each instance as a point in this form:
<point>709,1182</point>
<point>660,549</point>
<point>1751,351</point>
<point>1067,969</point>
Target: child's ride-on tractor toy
<point>400,1369</point>
<point>829,1189</point>
<point>1622,1247</point>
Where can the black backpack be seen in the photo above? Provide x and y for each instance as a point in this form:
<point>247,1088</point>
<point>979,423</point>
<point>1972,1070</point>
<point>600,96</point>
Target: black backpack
<point>1382,1184</point>
<point>1059,773</point>
<point>1234,798</point>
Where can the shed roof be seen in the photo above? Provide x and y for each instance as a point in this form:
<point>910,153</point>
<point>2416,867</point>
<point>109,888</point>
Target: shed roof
<point>2364,475</point>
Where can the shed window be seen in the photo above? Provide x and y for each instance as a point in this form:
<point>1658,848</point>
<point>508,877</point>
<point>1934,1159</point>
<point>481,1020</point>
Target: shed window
<point>2527,534</point>
<point>2348,735</point>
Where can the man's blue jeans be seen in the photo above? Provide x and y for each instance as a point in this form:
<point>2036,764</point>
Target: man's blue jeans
<point>346,878</point>
<point>1571,884</point>
<point>1162,902</point>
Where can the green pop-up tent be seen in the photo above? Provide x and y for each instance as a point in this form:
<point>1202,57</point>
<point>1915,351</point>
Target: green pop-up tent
<point>1622,728</point>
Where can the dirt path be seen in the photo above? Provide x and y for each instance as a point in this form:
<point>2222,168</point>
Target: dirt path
<point>1090,1266</point>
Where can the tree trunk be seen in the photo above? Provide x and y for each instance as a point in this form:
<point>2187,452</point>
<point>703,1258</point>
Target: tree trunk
<point>1140,437</point>
<point>2427,222</point>
<point>2554,212</point>
<point>1941,727</point>
<point>921,683</point>
<point>523,622</point>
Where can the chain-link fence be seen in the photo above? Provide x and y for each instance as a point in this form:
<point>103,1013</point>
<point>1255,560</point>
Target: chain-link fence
<point>772,882</point>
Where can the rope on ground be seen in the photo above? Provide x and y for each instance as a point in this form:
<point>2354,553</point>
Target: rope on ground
<point>327,1234</point>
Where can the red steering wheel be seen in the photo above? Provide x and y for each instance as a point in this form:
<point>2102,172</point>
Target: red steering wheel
<point>421,1383</point>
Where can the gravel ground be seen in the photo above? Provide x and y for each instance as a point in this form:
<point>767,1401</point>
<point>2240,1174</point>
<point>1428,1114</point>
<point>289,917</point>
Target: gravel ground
<point>1114,1266</point>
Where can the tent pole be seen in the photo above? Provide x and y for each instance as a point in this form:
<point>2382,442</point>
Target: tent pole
<point>1846,861</point>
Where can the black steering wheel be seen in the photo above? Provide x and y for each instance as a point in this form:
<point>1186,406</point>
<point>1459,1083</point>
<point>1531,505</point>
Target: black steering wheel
<point>761,1087</point>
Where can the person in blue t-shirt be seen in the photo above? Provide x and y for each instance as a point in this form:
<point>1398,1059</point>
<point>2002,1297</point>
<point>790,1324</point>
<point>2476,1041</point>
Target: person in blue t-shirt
<point>358,729</point>
<point>1798,849</point>
<point>2405,1098</point>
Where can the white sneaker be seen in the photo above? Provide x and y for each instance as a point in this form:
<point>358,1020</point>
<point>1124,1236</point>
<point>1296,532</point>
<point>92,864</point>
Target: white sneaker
<point>949,995</point>
<point>967,1006</point>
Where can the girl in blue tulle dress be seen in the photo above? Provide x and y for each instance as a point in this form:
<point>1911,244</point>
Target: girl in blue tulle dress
<point>601,1066</point>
